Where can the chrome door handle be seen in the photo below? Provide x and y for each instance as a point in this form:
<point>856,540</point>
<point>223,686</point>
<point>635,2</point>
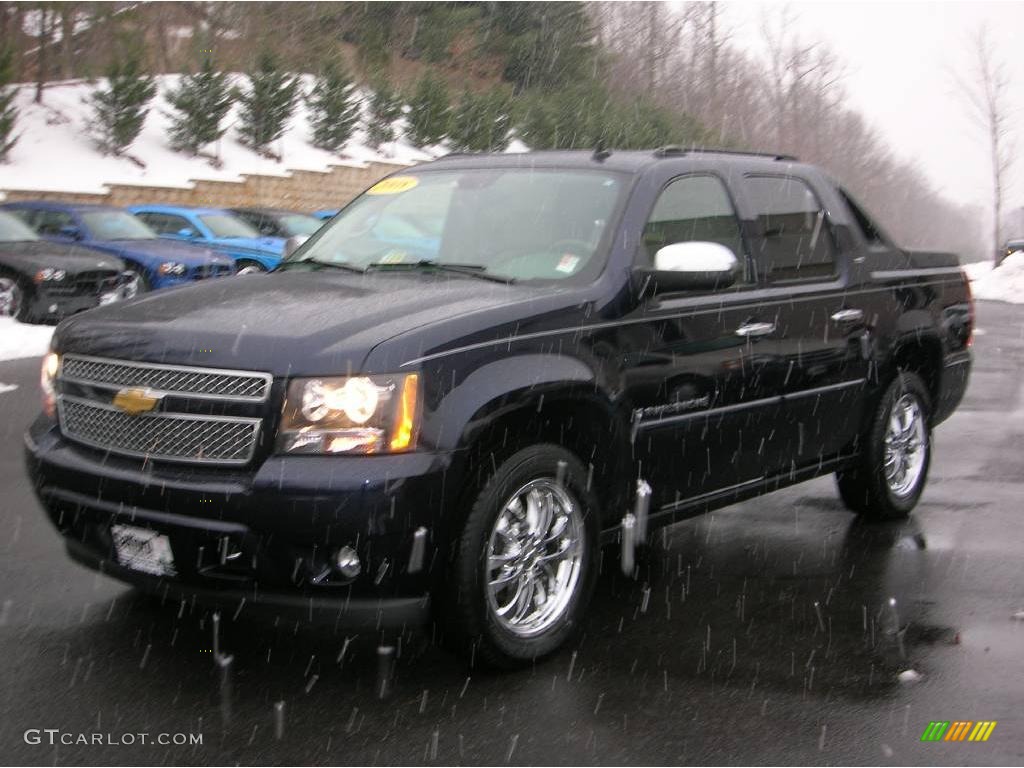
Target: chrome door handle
<point>753,330</point>
<point>848,316</point>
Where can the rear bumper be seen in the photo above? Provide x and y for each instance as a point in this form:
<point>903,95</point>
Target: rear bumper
<point>258,538</point>
<point>953,381</point>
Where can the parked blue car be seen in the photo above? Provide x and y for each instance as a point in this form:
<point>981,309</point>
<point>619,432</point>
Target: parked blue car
<point>326,213</point>
<point>215,228</point>
<point>156,263</point>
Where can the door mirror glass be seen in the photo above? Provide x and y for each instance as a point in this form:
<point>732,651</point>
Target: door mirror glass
<point>695,266</point>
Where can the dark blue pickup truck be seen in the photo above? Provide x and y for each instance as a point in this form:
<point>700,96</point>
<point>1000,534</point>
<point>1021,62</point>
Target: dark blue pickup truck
<point>486,368</point>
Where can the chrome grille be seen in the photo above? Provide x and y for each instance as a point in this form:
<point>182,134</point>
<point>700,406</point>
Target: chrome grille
<point>208,383</point>
<point>159,436</point>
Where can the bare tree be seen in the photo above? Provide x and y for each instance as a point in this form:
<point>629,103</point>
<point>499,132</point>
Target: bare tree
<point>986,95</point>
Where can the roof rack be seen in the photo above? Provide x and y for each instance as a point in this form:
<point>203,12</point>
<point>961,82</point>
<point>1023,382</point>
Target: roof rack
<point>673,149</point>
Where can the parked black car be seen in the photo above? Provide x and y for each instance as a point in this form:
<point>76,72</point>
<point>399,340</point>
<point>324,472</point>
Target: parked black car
<point>277,222</point>
<point>444,402</point>
<point>43,281</point>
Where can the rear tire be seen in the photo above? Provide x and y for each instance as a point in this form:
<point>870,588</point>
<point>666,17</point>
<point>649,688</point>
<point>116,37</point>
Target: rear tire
<point>892,470</point>
<point>526,561</point>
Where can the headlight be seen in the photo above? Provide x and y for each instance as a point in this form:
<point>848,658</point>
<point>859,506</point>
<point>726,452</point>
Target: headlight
<point>172,268</point>
<point>47,377</point>
<point>46,275</point>
<point>351,414</point>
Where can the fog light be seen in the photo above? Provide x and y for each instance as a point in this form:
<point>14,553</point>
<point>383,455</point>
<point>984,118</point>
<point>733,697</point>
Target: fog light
<point>346,561</point>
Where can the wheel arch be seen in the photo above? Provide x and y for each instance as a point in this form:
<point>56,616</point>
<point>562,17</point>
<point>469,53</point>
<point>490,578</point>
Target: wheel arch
<point>530,399</point>
<point>920,353</point>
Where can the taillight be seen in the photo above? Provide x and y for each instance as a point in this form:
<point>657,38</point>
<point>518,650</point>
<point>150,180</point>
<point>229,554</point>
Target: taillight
<point>970,309</point>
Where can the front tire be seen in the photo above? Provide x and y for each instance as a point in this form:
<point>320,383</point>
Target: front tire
<point>249,267</point>
<point>138,284</point>
<point>15,299</point>
<point>525,563</point>
<point>893,467</point>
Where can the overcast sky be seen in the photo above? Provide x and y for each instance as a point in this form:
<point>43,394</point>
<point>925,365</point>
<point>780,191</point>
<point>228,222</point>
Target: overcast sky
<point>900,60</point>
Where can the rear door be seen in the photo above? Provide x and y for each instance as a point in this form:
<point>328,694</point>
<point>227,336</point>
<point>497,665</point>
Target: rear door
<point>820,322</point>
<point>698,368</point>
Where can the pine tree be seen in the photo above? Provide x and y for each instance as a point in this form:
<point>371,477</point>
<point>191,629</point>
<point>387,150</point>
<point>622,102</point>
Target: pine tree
<point>334,108</point>
<point>481,121</point>
<point>201,100</point>
<point>385,108</point>
<point>8,112</point>
<point>428,111</point>
<point>267,105</point>
<point>121,109</point>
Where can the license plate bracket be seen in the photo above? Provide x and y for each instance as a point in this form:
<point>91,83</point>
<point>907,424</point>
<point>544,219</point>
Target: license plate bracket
<point>143,549</point>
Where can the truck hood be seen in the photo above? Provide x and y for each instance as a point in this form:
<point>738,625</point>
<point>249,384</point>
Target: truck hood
<point>159,250</point>
<point>286,323</point>
<point>31,256</point>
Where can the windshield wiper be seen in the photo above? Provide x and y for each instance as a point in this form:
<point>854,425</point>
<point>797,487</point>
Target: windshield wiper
<point>472,270</point>
<point>332,264</point>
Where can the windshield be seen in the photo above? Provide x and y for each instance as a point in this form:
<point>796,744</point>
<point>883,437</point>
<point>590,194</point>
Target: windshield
<point>518,223</point>
<point>297,224</point>
<point>116,225</point>
<point>224,225</point>
<point>14,230</point>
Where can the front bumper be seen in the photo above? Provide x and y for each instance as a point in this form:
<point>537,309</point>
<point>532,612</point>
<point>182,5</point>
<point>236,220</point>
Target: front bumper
<point>50,307</point>
<point>263,537</point>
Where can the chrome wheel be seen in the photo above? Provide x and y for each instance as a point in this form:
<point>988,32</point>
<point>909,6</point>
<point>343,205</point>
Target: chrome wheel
<point>10,297</point>
<point>534,558</point>
<point>251,269</point>
<point>905,445</point>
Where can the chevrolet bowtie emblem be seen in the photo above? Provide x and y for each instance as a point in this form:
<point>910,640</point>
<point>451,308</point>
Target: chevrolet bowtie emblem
<point>136,401</point>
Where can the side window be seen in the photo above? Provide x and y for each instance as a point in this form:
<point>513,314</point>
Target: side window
<point>152,220</point>
<point>796,242</point>
<point>51,222</point>
<point>165,223</point>
<point>692,208</point>
<point>868,229</point>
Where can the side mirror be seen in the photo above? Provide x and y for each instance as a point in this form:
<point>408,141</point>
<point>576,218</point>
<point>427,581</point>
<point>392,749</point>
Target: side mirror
<point>187,232</point>
<point>694,266</point>
<point>292,244</point>
<point>71,232</point>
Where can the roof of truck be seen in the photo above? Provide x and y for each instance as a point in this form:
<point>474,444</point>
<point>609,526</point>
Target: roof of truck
<point>629,161</point>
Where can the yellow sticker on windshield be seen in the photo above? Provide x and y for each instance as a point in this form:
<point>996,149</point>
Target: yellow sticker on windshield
<point>393,186</point>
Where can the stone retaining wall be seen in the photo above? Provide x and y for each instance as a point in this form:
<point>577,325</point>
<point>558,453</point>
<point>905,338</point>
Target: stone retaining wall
<point>299,190</point>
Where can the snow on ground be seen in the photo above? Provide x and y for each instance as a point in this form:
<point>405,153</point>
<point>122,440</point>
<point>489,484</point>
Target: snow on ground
<point>23,340</point>
<point>57,153</point>
<point>1002,283</point>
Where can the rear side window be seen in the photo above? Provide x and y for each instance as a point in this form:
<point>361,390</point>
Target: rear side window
<point>868,229</point>
<point>692,208</point>
<point>796,242</point>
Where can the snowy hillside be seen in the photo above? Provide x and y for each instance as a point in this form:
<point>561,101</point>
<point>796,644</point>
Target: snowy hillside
<point>56,152</point>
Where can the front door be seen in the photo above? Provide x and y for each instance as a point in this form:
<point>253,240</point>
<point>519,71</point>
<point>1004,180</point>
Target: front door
<point>698,369</point>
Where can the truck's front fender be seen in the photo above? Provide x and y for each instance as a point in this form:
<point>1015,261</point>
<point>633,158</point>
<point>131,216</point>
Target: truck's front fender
<point>508,381</point>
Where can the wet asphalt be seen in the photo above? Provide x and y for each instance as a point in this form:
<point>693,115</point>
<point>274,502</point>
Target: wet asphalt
<point>764,634</point>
